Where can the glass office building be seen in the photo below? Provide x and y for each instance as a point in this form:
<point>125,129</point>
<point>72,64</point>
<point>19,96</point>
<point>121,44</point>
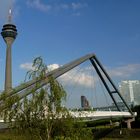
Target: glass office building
<point>130,91</point>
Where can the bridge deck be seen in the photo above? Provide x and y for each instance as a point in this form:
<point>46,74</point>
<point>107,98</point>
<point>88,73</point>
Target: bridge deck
<point>101,114</point>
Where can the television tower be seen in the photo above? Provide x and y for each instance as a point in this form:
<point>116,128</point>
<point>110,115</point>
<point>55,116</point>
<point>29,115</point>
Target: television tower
<point>9,33</point>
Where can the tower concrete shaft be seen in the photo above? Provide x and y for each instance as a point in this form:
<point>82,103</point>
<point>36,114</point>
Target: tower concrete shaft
<point>8,67</point>
<point>9,33</point>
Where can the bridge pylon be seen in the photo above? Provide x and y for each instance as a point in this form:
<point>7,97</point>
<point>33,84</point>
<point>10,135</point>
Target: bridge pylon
<point>103,76</point>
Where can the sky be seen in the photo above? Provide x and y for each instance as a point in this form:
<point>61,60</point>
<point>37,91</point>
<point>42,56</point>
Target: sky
<point>62,30</point>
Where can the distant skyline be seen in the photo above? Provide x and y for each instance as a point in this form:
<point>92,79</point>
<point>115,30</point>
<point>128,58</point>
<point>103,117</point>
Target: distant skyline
<point>61,31</point>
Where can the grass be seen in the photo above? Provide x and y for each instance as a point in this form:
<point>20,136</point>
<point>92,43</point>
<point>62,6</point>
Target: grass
<point>6,136</point>
<point>9,135</point>
<point>133,134</point>
<point>120,139</point>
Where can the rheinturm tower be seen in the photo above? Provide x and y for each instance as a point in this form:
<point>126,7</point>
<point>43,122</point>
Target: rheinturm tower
<point>9,33</point>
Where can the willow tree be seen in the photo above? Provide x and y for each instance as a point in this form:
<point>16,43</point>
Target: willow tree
<point>41,115</point>
<point>37,113</point>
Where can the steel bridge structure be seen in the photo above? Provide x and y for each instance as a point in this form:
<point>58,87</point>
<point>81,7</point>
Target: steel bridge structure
<point>27,88</point>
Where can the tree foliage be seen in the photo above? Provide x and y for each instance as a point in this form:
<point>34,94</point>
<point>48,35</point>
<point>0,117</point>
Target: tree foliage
<point>41,114</point>
<point>136,123</point>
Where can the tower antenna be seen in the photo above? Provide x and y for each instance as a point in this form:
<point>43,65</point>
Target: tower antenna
<point>10,15</point>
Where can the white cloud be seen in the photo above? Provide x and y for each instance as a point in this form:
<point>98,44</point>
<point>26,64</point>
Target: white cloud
<point>124,71</point>
<point>86,77</point>
<point>53,66</point>
<point>26,66</point>
<point>76,6</point>
<point>75,77</point>
<point>39,5</point>
<point>72,77</point>
<point>45,7</point>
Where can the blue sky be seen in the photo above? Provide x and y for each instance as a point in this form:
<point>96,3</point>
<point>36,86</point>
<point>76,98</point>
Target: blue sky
<point>63,30</point>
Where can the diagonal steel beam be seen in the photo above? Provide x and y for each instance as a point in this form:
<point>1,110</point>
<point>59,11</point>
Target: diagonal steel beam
<point>104,82</point>
<point>21,90</point>
<point>96,62</point>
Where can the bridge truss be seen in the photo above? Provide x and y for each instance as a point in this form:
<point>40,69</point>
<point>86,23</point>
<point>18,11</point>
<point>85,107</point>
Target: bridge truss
<point>27,88</point>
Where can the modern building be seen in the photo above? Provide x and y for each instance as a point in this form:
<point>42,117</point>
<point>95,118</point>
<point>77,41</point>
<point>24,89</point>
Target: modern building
<point>84,103</point>
<point>130,90</point>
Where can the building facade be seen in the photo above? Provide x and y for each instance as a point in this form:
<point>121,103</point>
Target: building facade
<point>130,90</point>
<point>84,103</point>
